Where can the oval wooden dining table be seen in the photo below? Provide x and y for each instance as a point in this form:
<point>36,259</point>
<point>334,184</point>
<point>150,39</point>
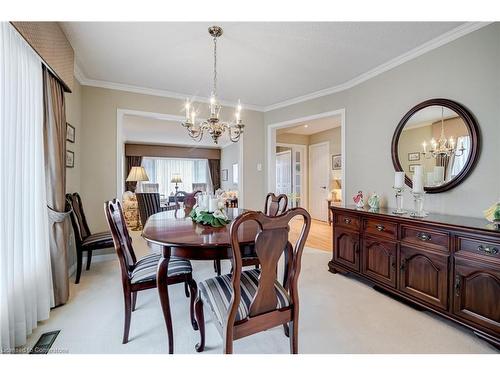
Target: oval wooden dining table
<point>177,235</point>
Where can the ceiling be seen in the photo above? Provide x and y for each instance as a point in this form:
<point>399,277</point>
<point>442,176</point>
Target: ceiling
<point>428,116</point>
<point>139,129</point>
<point>313,126</point>
<point>261,63</point>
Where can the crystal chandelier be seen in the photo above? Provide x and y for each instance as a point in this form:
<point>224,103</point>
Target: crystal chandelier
<point>443,146</point>
<point>213,125</point>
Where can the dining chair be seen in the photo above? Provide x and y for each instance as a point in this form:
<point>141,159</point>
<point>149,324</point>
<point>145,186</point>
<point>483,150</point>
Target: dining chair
<point>187,199</point>
<point>149,204</point>
<point>140,274</point>
<point>274,205</point>
<point>85,241</point>
<point>249,301</point>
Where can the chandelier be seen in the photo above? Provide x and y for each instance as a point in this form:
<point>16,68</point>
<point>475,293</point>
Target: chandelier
<point>213,125</point>
<point>443,146</point>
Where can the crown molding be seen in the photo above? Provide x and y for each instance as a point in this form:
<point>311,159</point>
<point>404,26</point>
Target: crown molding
<point>85,81</point>
<point>439,41</point>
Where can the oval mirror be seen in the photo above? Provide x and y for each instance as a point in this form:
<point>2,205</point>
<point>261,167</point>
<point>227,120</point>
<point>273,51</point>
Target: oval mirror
<point>441,138</point>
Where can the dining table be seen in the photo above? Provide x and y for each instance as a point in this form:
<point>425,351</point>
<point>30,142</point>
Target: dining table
<point>178,235</point>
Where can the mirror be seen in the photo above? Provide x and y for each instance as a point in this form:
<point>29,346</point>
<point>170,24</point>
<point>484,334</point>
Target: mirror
<point>441,138</point>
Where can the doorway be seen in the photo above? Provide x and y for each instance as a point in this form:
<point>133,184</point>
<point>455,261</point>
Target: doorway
<point>319,180</point>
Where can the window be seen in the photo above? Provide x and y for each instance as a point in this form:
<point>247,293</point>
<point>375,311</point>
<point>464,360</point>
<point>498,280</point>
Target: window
<point>235,173</point>
<point>194,173</point>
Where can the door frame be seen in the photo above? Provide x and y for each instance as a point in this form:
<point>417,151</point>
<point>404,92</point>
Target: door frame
<point>310,169</point>
<point>305,172</point>
<point>271,145</point>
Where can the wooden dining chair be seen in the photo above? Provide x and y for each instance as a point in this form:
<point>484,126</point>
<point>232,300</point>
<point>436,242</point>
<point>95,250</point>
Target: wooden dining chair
<point>187,199</point>
<point>140,274</point>
<point>274,205</point>
<point>251,301</point>
<point>85,241</point>
<point>149,204</point>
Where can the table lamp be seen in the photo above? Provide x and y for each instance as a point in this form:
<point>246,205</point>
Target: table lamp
<point>335,189</point>
<point>137,174</point>
<point>176,179</point>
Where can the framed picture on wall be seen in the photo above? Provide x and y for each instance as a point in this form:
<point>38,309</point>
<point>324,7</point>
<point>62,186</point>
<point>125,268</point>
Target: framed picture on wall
<point>336,162</point>
<point>411,167</point>
<point>70,133</point>
<point>413,156</point>
<point>224,175</point>
<point>70,159</point>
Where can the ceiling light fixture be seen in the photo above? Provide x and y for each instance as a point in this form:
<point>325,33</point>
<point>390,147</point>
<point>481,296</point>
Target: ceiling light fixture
<point>213,125</point>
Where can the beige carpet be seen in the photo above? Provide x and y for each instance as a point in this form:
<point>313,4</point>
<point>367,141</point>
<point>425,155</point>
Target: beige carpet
<point>338,314</point>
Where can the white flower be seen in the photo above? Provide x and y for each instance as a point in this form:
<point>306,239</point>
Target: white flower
<point>219,214</point>
<point>221,204</point>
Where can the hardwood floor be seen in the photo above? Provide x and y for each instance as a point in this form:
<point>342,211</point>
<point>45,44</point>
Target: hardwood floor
<point>320,235</point>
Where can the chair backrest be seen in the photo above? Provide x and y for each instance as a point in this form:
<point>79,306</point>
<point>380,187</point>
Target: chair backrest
<point>78,219</point>
<point>189,199</point>
<point>150,187</point>
<point>275,204</point>
<point>148,204</point>
<point>121,238</point>
<point>270,243</point>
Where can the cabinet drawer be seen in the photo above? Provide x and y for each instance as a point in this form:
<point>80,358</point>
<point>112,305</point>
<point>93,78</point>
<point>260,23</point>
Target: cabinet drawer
<point>381,228</point>
<point>484,248</point>
<point>429,239</point>
<point>347,221</point>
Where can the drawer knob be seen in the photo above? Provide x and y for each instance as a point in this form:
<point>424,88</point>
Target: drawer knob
<point>380,227</point>
<point>423,236</point>
<point>347,221</point>
<point>488,249</point>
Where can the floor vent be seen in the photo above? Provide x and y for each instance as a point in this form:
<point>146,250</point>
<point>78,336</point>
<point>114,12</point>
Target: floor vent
<point>44,343</point>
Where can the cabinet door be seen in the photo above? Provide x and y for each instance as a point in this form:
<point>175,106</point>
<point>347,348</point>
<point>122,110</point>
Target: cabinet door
<point>346,251</point>
<point>379,260</point>
<point>424,275</point>
<point>476,295</point>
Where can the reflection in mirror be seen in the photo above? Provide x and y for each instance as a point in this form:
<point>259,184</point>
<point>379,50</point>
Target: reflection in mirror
<point>437,139</point>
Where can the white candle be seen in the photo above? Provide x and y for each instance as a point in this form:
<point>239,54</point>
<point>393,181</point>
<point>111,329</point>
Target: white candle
<point>430,178</point>
<point>419,170</point>
<point>438,175</point>
<point>418,183</point>
<point>213,204</point>
<point>399,179</point>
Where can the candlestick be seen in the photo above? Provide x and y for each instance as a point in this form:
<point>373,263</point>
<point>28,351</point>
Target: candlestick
<point>213,204</point>
<point>418,182</point>
<point>418,200</point>
<point>399,200</point>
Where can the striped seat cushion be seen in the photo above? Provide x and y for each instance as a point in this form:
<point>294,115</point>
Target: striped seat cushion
<point>98,240</point>
<point>145,268</point>
<point>217,292</point>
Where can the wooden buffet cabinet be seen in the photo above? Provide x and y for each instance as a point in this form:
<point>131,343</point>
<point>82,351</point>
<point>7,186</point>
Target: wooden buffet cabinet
<point>447,264</point>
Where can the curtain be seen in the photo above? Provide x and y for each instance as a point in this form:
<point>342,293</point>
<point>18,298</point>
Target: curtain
<point>132,161</point>
<point>25,270</point>
<point>458,162</point>
<point>55,176</point>
<point>214,167</point>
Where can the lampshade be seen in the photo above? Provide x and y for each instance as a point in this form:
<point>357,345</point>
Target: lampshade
<point>176,178</point>
<point>137,174</point>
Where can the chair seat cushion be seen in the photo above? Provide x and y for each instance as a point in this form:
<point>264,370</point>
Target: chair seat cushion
<point>145,268</point>
<point>217,292</point>
<point>100,240</point>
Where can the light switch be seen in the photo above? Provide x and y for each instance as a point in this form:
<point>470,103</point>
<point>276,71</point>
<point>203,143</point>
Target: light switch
<point>259,167</point>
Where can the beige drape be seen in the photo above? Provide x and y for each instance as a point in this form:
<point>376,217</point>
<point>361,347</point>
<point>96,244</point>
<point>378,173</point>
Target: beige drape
<point>55,176</point>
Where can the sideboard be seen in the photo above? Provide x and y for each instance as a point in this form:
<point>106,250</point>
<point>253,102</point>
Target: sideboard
<point>447,264</point>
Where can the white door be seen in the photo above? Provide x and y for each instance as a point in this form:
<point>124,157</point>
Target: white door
<point>319,180</point>
<point>284,172</point>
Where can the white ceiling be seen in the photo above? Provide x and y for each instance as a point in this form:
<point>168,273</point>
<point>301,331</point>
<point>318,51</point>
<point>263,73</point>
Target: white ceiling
<point>313,126</point>
<point>428,116</point>
<point>261,63</point>
<point>139,129</point>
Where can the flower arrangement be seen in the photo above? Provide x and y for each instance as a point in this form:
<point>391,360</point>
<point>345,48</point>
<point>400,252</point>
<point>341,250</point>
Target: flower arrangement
<point>210,211</point>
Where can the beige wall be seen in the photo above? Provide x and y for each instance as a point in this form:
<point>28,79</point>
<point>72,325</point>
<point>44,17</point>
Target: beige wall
<point>73,104</point>
<point>466,70</point>
<point>229,156</point>
<point>295,139</point>
<point>98,168</point>
<point>411,141</point>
